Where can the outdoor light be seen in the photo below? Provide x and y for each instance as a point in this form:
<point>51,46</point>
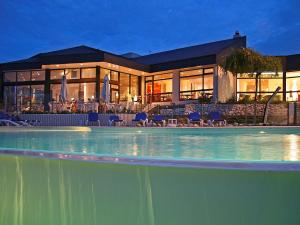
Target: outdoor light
<point>294,89</point>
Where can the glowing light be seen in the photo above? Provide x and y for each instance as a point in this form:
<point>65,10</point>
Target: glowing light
<point>57,65</point>
<point>294,89</point>
<point>135,98</point>
<point>262,132</point>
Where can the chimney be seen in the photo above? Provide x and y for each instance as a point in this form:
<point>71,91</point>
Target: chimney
<point>237,34</point>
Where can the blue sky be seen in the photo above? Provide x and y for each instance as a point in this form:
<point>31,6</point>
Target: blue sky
<point>145,26</point>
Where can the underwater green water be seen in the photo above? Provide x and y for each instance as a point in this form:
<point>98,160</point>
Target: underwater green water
<point>35,191</point>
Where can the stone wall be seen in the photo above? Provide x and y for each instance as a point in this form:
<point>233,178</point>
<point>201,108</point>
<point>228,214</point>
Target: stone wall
<point>277,113</point>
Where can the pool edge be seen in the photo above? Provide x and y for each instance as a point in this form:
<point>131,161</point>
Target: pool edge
<point>205,164</point>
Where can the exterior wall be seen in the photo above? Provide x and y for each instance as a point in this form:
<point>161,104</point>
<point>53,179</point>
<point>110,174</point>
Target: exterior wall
<point>277,114</point>
<point>226,85</point>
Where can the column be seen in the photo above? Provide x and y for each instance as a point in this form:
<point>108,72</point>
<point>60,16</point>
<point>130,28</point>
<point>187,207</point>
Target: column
<point>97,83</point>
<point>215,85</point>
<point>47,94</point>
<point>142,88</point>
<point>284,79</point>
<point>176,87</point>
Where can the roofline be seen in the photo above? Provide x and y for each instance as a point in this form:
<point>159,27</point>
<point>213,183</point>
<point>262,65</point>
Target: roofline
<point>213,42</point>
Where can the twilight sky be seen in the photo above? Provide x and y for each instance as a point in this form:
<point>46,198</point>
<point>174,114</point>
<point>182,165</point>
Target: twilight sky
<point>29,27</point>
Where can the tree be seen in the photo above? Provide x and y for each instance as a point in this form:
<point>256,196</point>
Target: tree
<point>246,60</point>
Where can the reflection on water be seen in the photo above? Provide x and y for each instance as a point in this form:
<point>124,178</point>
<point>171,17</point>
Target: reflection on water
<point>293,147</point>
<point>211,144</point>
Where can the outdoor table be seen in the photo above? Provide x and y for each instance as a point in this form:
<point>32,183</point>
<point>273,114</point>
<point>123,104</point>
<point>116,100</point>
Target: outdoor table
<point>172,122</point>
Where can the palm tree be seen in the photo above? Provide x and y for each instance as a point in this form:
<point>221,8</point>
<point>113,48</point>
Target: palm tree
<point>246,60</point>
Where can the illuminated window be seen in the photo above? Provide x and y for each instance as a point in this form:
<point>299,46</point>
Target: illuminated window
<point>10,77</point>
<point>38,75</point>
<point>56,74</point>
<point>88,73</point>
<point>160,89</point>
<point>195,84</point>
<point>293,86</point>
<point>23,76</point>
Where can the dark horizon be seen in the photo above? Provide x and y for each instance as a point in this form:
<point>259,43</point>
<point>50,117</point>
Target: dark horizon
<point>145,27</point>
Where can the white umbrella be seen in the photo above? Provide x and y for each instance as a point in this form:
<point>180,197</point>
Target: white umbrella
<point>63,90</point>
<point>106,90</point>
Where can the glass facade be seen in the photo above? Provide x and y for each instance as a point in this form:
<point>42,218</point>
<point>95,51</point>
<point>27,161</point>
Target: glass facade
<point>158,88</point>
<point>10,77</point>
<point>25,90</point>
<point>38,75</point>
<point>267,84</point>
<point>293,86</point>
<point>196,84</point>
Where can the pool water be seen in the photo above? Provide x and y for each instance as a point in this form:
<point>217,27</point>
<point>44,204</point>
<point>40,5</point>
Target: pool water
<point>235,144</point>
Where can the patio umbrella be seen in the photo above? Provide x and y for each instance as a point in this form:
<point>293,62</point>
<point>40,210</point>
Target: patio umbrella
<point>63,90</point>
<point>106,90</point>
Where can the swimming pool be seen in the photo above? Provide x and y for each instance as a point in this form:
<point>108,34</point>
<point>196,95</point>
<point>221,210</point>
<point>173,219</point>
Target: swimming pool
<point>150,176</point>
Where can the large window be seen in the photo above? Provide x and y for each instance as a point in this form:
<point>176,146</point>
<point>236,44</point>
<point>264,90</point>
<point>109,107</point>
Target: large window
<point>38,75</point>
<point>72,74</point>
<point>37,97</point>
<point>23,76</point>
<point>124,87</point>
<point>10,77</point>
<point>195,84</point>
<point>293,86</point>
<point>83,92</point>
<point>10,93</point>
<point>23,98</point>
<point>267,84</point>
<point>88,73</point>
<point>159,88</point>
<point>56,74</point>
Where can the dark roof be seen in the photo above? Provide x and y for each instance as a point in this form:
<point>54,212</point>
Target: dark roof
<point>203,54</point>
<point>293,62</point>
<point>79,54</point>
<point>131,55</point>
<point>196,51</point>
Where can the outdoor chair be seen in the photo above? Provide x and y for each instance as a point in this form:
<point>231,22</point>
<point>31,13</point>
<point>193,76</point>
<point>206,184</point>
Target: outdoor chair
<point>159,119</point>
<point>92,118</point>
<point>141,117</point>
<point>195,118</point>
<point>216,118</point>
<point>113,119</point>
<point>13,120</point>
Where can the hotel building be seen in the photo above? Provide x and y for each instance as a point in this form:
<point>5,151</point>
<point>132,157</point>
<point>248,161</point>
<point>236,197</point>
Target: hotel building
<point>176,76</point>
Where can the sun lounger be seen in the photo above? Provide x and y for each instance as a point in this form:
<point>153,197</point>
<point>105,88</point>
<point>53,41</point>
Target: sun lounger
<point>140,117</point>
<point>92,118</point>
<point>113,119</point>
<point>215,118</point>
<point>159,119</point>
<point>195,118</point>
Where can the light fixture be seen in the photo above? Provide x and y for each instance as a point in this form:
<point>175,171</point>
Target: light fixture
<point>57,65</point>
<point>81,64</point>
